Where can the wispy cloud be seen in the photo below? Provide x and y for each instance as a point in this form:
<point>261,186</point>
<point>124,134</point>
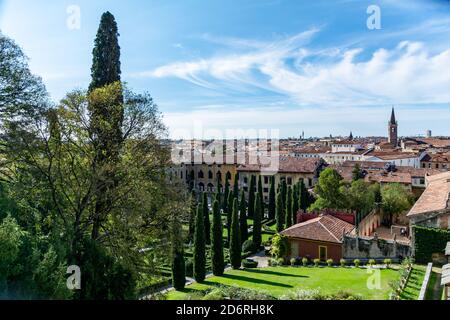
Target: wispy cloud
<point>406,73</point>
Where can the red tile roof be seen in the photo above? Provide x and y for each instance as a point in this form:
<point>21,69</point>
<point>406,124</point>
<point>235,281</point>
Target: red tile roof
<point>325,228</point>
<point>288,165</point>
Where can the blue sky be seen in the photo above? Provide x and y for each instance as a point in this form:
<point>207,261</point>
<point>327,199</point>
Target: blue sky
<point>266,64</point>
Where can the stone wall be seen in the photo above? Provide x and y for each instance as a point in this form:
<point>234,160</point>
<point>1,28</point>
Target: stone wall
<point>373,248</point>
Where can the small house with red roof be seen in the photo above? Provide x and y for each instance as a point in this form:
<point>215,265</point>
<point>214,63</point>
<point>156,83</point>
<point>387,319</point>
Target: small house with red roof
<point>318,238</point>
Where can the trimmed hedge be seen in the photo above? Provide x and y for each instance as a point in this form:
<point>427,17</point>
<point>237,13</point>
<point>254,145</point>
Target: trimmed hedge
<point>249,263</point>
<point>428,241</point>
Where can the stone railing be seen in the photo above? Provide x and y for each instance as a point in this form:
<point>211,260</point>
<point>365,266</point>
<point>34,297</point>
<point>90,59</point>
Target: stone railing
<point>425,282</point>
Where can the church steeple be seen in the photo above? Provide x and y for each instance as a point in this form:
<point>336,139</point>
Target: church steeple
<point>393,121</point>
<point>393,130</point>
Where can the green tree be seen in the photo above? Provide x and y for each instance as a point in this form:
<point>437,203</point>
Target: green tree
<point>280,213</point>
<point>289,214</point>
<point>396,200</point>
<point>357,173</point>
<point>226,193</point>
<point>260,191</point>
<point>217,257</point>
<point>106,116</point>
<point>229,214</point>
<point>295,200</point>
<point>178,263</point>
<point>279,246</point>
<point>199,247</point>
<point>235,243</point>
<point>236,186</point>
<point>257,222</point>
<point>303,201</point>
<point>329,191</point>
<point>251,197</point>
<point>192,212</point>
<point>283,191</point>
<point>360,197</point>
<point>243,218</point>
<point>272,200</point>
<point>207,222</point>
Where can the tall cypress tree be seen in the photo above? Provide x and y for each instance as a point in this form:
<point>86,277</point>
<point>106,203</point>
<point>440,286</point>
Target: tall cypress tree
<point>295,204</point>
<point>236,186</point>
<point>226,193</point>
<point>272,200</point>
<point>257,222</point>
<point>260,191</point>
<point>235,242</point>
<point>178,264</point>
<point>288,222</point>
<point>283,191</point>
<point>207,222</point>
<point>199,246</point>
<point>192,213</point>
<point>243,218</point>
<point>229,214</point>
<point>106,117</point>
<point>280,212</point>
<point>217,258</point>
<point>303,201</point>
<point>251,197</point>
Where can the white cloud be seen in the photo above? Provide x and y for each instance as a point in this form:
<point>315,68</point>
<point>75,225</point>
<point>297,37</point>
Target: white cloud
<point>404,74</point>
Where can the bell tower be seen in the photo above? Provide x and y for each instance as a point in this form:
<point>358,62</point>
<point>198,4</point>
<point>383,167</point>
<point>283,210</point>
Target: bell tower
<point>393,130</point>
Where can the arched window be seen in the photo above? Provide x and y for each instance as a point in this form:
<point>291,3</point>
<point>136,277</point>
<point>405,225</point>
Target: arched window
<point>210,175</point>
<point>201,187</point>
<point>210,187</point>
<point>219,176</point>
<point>228,175</point>
<point>200,174</point>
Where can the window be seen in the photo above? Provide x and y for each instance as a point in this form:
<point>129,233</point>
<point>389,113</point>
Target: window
<point>265,190</point>
<point>289,181</point>
<point>245,180</point>
<point>266,180</point>
<point>219,176</point>
<point>210,175</point>
<point>246,189</point>
<point>322,253</point>
<point>200,174</point>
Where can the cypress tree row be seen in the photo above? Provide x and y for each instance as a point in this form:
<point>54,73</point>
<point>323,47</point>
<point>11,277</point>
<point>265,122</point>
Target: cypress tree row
<point>288,222</point>
<point>251,197</point>
<point>272,199</point>
<point>217,258</point>
<point>280,212</point>
<point>230,202</point>
<point>283,190</point>
<point>199,246</point>
<point>218,195</point>
<point>207,222</point>
<point>243,218</point>
<point>235,243</point>
<point>257,222</point>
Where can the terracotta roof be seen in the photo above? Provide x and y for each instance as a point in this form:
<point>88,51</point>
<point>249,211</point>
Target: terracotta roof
<point>437,157</point>
<point>436,196</point>
<point>389,177</point>
<point>353,143</point>
<point>288,165</point>
<point>325,228</point>
<point>435,142</point>
<point>392,155</point>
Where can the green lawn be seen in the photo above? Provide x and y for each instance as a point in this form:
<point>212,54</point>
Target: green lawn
<point>280,280</point>
<point>412,289</point>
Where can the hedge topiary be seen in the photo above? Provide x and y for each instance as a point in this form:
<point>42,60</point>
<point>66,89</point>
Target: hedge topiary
<point>343,262</point>
<point>249,263</point>
<point>357,262</point>
<point>316,262</point>
<point>305,262</point>
<point>330,262</point>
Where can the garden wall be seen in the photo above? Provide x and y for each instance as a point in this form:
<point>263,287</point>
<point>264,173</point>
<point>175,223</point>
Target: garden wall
<point>372,248</point>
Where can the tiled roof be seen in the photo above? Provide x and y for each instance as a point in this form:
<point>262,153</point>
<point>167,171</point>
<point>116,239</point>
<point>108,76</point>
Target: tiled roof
<point>437,157</point>
<point>436,196</point>
<point>325,228</point>
<point>288,165</point>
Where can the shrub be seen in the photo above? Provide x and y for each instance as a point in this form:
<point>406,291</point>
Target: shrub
<point>273,262</point>
<point>248,246</point>
<point>280,261</point>
<point>316,262</point>
<point>372,262</point>
<point>330,262</point>
<point>343,262</point>
<point>293,262</point>
<point>279,246</point>
<point>249,263</point>
<point>305,262</point>
<point>357,262</point>
<point>388,263</point>
<point>236,293</point>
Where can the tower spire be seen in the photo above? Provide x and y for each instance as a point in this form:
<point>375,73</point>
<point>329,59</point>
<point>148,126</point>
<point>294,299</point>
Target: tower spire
<point>393,121</point>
